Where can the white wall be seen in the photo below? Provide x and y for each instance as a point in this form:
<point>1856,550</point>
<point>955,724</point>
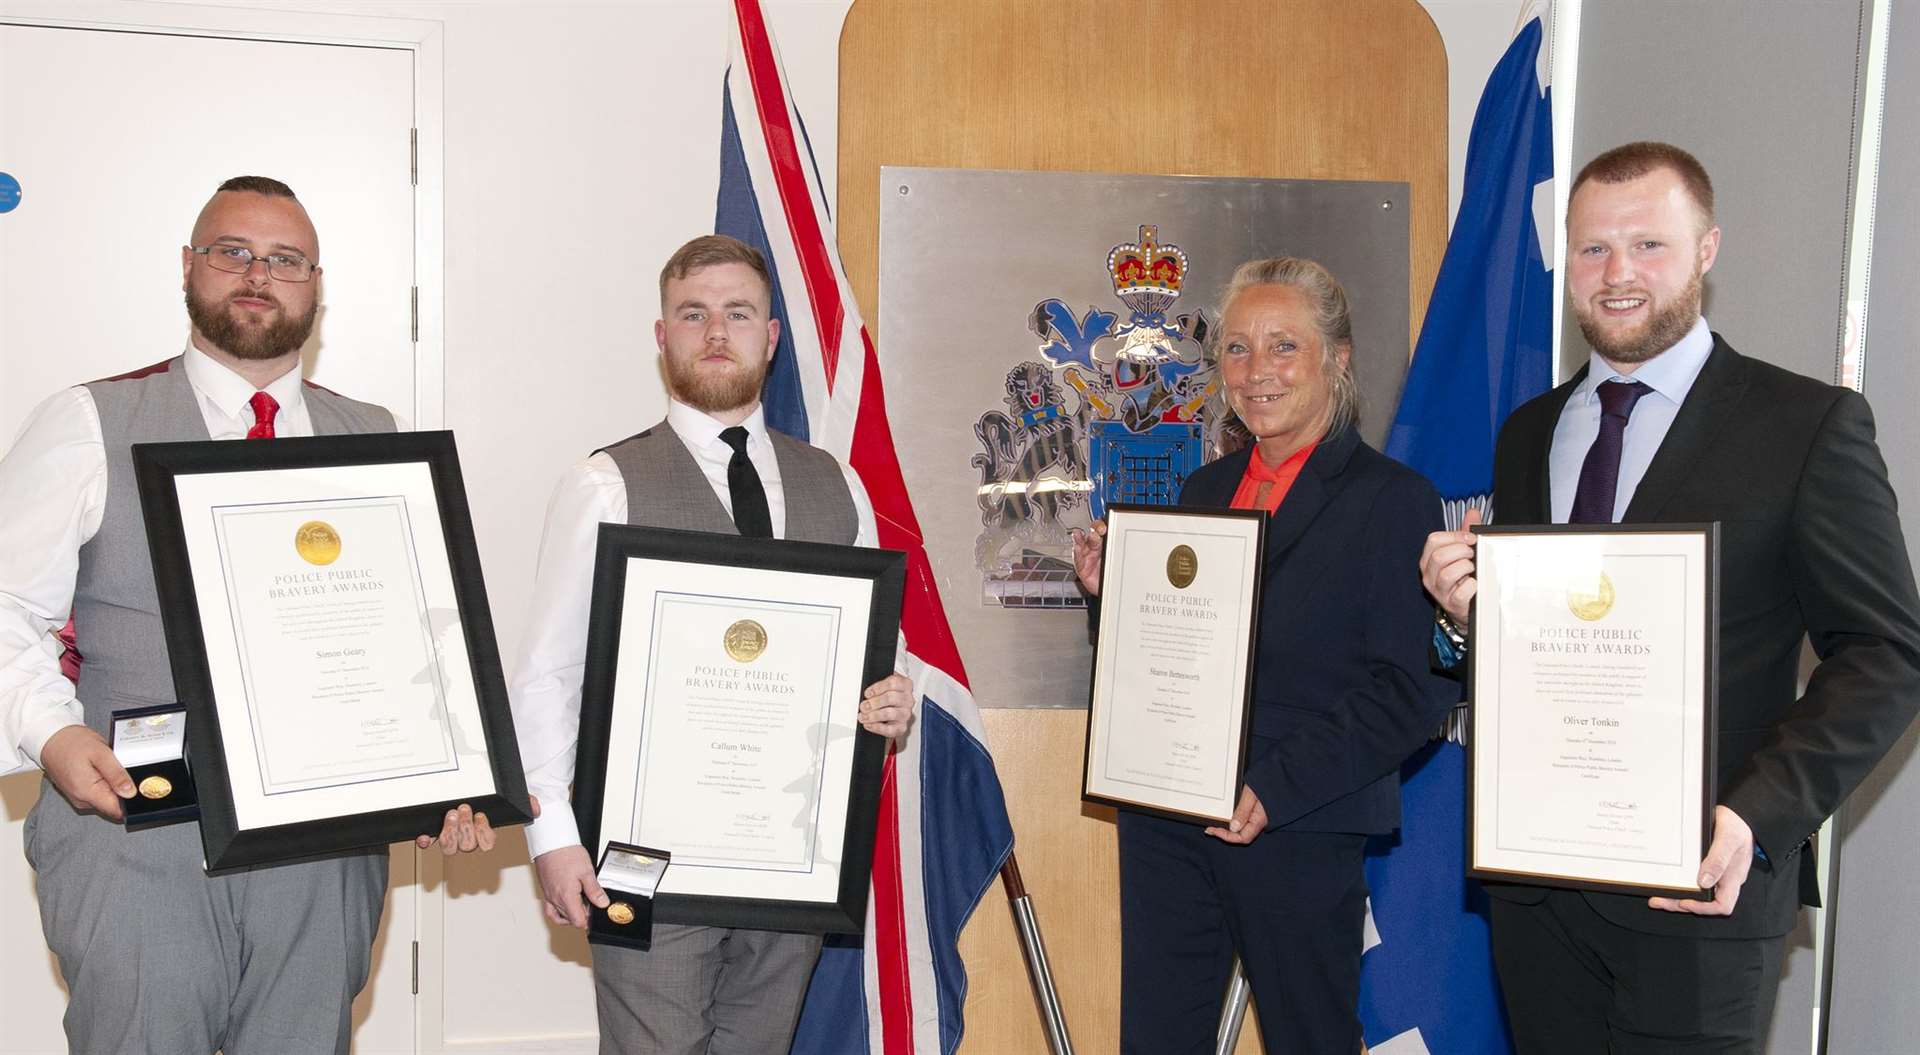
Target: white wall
<point>581,148</point>
<point>1476,34</point>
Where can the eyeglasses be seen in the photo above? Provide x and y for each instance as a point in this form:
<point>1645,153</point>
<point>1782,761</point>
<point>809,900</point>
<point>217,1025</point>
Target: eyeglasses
<point>287,267</point>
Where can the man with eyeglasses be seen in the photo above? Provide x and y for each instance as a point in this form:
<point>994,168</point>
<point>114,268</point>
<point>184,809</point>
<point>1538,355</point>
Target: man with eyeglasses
<point>159,957</point>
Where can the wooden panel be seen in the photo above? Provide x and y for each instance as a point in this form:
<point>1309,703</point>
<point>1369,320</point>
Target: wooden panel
<point>1315,89</point>
<point>1308,89</point>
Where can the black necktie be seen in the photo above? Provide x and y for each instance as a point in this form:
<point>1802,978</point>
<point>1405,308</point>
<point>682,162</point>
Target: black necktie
<point>743,484</point>
<point>1599,486</point>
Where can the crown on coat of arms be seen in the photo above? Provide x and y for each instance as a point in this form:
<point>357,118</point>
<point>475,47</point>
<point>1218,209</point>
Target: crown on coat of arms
<point>1147,275</point>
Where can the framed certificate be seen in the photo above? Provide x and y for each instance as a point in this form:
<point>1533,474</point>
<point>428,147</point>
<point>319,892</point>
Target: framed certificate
<point>1593,658</point>
<point>329,634</point>
<point>718,721</point>
<point>1173,660</point>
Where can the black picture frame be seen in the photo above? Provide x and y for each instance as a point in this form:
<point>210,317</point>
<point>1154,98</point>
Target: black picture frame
<point>617,545</point>
<point>1253,520</point>
<point>158,467</point>
<point>1708,794</point>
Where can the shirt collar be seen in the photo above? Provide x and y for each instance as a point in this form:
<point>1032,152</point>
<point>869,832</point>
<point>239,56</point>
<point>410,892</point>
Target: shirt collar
<point>1670,373</point>
<point>1258,468</point>
<point>232,394</point>
<point>699,430</point>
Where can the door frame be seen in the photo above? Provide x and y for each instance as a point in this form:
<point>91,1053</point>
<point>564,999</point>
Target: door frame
<point>421,911</point>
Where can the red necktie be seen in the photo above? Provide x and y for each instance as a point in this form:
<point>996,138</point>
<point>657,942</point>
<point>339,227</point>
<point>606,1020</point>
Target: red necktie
<point>69,652</point>
<point>264,408</point>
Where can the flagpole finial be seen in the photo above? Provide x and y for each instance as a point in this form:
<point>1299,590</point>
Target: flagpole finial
<point>1530,10</point>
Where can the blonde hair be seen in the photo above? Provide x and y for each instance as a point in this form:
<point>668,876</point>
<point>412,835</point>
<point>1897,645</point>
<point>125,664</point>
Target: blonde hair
<point>1332,317</point>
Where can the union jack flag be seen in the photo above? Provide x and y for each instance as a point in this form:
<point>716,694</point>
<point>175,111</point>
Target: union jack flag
<point>943,829</point>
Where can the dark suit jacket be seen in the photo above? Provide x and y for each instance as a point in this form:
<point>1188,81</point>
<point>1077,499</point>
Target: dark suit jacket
<point>1810,545</point>
<point>1343,691</point>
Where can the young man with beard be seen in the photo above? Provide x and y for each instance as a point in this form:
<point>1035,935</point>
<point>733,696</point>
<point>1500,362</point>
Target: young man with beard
<point>712,465</point>
<point>157,956</point>
<point>1667,423</point>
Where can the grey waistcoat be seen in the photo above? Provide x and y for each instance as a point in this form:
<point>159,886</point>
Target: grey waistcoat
<point>666,489</point>
<point>116,615</point>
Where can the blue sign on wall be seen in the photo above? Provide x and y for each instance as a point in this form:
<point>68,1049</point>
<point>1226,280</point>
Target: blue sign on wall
<point>9,192</point>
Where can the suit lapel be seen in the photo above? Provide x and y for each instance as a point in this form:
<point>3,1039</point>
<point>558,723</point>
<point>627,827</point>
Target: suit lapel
<point>1217,489</point>
<point>192,418</point>
<point>1309,494</point>
<point>1703,416</point>
<point>1537,507</point>
<point>672,448</point>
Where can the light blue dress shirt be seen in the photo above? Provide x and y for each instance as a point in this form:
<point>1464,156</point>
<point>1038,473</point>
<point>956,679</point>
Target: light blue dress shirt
<point>1670,374</point>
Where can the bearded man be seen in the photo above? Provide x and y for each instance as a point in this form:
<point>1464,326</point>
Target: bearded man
<point>712,465</point>
<point>157,956</point>
<point>1667,423</point>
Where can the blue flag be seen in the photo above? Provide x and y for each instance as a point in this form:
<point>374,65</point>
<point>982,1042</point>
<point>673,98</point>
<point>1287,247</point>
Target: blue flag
<point>1487,344</point>
<point>1426,984</point>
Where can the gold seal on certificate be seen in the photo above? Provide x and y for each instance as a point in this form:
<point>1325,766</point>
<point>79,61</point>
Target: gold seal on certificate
<point>1182,565</point>
<point>745,640</point>
<point>317,542</point>
<point>1594,605</point>
<point>156,787</point>
<point>620,912</point>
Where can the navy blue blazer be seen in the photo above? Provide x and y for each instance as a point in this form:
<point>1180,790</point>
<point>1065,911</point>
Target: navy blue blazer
<point>1343,688</point>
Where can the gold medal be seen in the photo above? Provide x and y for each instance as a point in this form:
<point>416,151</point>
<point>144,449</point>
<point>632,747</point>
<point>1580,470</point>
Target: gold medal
<point>745,640</point>
<point>317,542</point>
<point>156,787</point>
<point>1592,606</point>
<point>1182,565</point>
<point>620,912</point>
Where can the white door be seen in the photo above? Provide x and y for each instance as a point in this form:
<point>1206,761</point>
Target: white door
<point>116,140</point>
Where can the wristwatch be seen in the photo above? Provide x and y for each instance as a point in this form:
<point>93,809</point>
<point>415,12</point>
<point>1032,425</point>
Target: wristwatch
<point>1455,636</point>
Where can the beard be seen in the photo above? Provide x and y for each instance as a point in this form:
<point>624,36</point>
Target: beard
<point>712,393</point>
<point>216,322</point>
<point>1662,330</point>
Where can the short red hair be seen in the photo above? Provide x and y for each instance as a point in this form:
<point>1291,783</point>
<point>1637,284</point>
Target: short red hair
<point>1634,160</point>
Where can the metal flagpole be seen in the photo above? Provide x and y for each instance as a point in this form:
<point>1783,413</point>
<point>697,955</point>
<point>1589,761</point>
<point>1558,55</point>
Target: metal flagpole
<point>1234,1013</point>
<point>1034,949</point>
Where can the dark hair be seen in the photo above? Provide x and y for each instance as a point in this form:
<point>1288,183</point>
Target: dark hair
<point>707,251</point>
<point>1634,160</point>
<point>266,185</point>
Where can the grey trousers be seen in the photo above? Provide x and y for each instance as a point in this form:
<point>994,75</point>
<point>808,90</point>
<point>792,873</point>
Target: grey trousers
<point>703,991</point>
<point>161,959</point>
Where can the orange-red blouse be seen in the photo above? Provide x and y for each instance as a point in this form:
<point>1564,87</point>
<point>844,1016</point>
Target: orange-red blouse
<point>1264,486</point>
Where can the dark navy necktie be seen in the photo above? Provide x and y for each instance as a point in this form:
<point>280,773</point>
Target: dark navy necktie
<point>1599,485</point>
<point>743,485</point>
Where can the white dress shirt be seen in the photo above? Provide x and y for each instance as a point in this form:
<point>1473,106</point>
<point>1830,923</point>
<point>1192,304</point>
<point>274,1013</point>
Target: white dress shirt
<point>551,661</point>
<point>1670,374</point>
<point>53,487</point>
